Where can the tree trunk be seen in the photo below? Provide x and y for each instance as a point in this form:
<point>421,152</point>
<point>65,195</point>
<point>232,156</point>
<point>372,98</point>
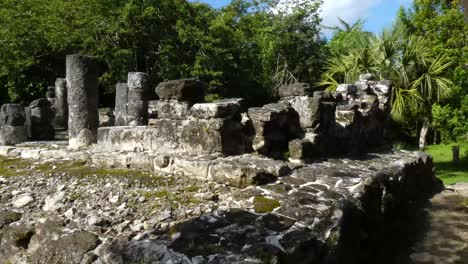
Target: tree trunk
<point>426,126</point>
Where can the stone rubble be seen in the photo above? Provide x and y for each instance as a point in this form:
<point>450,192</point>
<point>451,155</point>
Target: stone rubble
<point>108,216</point>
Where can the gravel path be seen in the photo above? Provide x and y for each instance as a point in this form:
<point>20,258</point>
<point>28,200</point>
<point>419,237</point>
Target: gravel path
<point>447,238</point>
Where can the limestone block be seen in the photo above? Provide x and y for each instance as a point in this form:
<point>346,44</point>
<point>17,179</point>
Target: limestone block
<point>121,100</point>
<point>137,105</point>
<point>12,115</point>
<point>137,86</point>
<point>172,109</point>
<point>162,138</point>
<point>34,154</point>
<point>110,160</point>
<point>347,89</point>
<point>190,90</point>
<point>6,150</point>
<point>194,167</point>
<point>40,117</point>
<point>295,89</point>
<point>206,136</point>
<point>137,113</point>
<point>141,161</point>
<point>12,135</point>
<point>247,170</point>
<point>82,80</point>
<point>169,136</point>
<point>307,109</point>
<point>300,149</point>
<point>274,126</point>
<point>220,109</point>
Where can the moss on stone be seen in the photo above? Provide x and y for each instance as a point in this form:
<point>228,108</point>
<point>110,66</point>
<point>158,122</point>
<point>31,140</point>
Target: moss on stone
<point>265,205</point>
<point>10,167</point>
<point>333,239</point>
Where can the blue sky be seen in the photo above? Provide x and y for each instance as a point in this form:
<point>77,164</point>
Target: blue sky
<point>378,13</point>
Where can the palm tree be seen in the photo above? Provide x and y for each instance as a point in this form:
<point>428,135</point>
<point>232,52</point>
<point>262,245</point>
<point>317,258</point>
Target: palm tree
<point>418,76</point>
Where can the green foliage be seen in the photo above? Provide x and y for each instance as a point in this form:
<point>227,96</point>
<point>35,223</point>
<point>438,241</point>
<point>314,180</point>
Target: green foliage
<point>452,123</point>
<point>445,169</point>
<point>442,24</point>
<point>235,49</point>
<point>423,54</point>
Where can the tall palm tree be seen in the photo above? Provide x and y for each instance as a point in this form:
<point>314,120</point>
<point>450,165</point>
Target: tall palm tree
<point>418,76</point>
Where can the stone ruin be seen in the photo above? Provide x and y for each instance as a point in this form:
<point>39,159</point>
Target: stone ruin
<point>324,157</point>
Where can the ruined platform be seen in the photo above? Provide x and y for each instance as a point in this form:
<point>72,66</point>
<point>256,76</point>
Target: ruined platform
<point>268,210</point>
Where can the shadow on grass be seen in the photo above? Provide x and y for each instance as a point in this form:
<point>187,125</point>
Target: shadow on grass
<point>450,172</point>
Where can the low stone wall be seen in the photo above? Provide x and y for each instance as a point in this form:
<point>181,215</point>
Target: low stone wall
<point>183,137</point>
<point>337,211</point>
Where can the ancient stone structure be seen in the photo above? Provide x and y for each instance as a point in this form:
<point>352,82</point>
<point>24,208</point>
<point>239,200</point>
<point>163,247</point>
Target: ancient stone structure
<point>137,104</point>
<point>83,116</point>
<point>274,190</point>
<point>61,103</point>
<point>12,124</point>
<point>121,100</point>
<point>352,120</point>
<point>39,118</point>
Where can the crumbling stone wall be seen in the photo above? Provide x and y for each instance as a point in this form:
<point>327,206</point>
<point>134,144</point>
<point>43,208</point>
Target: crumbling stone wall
<point>184,124</point>
<point>304,125</point>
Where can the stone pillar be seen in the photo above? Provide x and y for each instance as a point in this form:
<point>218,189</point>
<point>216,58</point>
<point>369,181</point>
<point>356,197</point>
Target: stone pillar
<point>137,106</point>
<point>121,100</point>
<point>61,103</point>
<point>12,124</point>
<point>41,116</point>
<point>82,94</point>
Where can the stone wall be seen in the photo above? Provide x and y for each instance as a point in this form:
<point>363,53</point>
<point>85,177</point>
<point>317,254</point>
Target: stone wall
<point>303,126</point>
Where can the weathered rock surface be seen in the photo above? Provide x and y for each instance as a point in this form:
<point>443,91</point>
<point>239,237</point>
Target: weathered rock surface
<point>274,125</point>
<point>295,89</point>
<point>121,100</point>
<point>338,211</point>
<point>227,108</point>
<point>40,116</point>
<point>137,105</point>
<point>12,125</point>
<point>12,135</point>
<point>83,119</point>
<point>12,115</point>
<point>169,136</point>
<point>189,90</point>
<point>172,109</point>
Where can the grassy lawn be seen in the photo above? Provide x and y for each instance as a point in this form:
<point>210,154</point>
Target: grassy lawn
<point>445,169</point>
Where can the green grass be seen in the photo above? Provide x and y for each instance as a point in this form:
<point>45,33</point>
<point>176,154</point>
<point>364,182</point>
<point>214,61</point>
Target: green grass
<point>448,172</point>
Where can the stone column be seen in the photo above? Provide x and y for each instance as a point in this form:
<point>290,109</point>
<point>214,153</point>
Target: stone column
<point>121,100</point>
<point>61,103</point>
<point>137,106</point>
<point>83,115</point>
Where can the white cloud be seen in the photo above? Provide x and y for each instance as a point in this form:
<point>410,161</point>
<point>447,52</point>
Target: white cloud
<point>348,10</point>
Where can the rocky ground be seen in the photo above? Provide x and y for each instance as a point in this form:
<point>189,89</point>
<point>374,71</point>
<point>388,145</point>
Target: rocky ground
<point>50,196</point>
<point>64,211</point>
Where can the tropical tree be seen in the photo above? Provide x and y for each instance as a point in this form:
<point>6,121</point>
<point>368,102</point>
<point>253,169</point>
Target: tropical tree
<point>418,75</point>
<point>442,24</point>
